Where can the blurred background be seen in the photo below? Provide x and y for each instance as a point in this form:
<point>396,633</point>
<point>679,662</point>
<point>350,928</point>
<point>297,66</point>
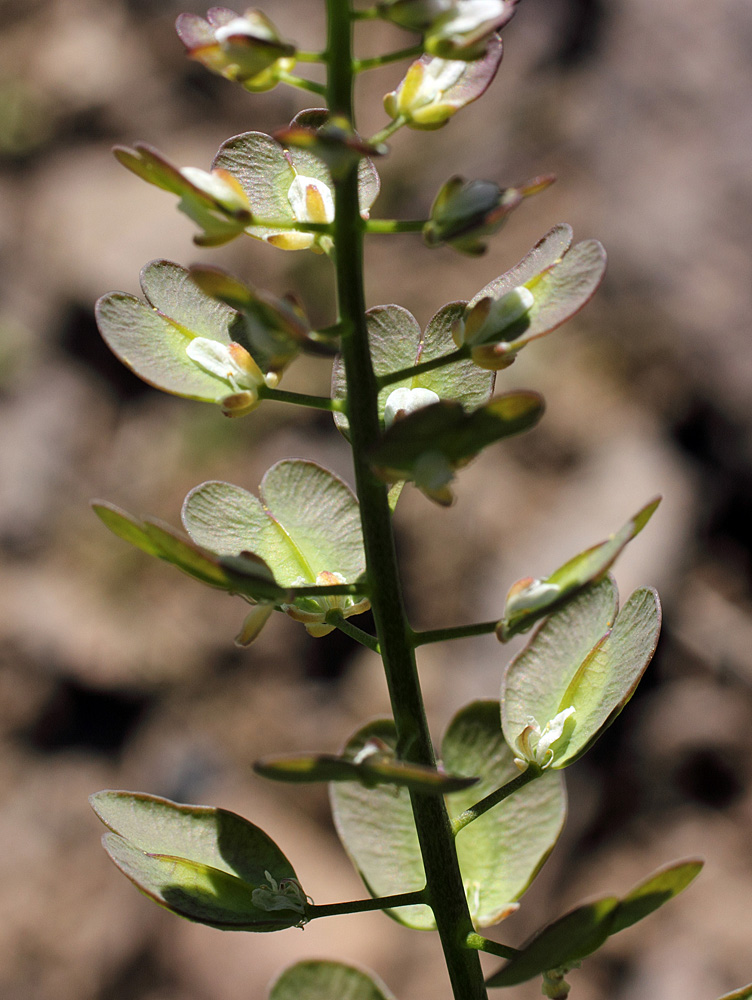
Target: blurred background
<point>116,671</point>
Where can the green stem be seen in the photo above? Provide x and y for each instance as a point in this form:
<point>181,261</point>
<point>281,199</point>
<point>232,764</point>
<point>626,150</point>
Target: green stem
<point>377,61</point>
<point>301,399</point>
<point>480,943</point>
<point>395,225</point>
<point>388,130</point>
<point>425,366</point>
<point>310,57</point>
<point>444,889</point>
<point>494,798</point>
<point>363,905</point>
<point>457,632</point>
<point>297,81</point>
<point>369,14</point>
<point>339,621</point>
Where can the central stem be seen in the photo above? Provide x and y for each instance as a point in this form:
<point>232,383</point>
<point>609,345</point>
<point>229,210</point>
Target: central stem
<point>445,890</point>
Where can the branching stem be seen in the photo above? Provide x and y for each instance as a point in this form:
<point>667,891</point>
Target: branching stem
<point>377,61</point>
<point>300,399</point>
<point>456,632</point>
<point>480,943</point>
<point>364,638</point>
<point>425,366</point>
<point>444,887</point>
<point>395,225</point>
<point>298,81</point>
<point>363,905</point>
<point>494,798</point>
<point>388,130</point>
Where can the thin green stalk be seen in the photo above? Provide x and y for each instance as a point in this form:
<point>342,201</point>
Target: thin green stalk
<point>300,399</point>
<point>388,130</point>
<point>376,62</point>
<point>425,366</point>
<point>364,638</point>
<point>314,911</point>
<point>456,632</point>
<point>494,798</point>
<point>444,889</point>
<point>368,14</point>
<point>480,943</point>
<point>310,57</point>
<point>298,81</point>
<point>395,225</point>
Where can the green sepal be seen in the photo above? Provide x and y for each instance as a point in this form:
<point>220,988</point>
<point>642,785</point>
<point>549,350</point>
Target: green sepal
<point>583,657</point>
<point>379,768</point>
<point>499,853</point>
<point>199,862</point>
<point>397,342</point>
<point>323,980</point>
<point>530,600</point>
<point>427,446</point>
<point>566,941</point>
<point>249,576</point>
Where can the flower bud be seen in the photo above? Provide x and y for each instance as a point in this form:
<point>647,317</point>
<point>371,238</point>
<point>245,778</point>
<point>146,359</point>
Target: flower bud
<point>247,49</point>
<point>465,31</point>
<point>415,15</point>
<point>435,89</point>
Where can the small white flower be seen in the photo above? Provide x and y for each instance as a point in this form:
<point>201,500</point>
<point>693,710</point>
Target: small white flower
<point>230,362</point>
<point>403,401</point>
<point>287,894</point>
<point>535,743</point>
<point>438,76</point>
<point>243,26</point>
<point>312,611</point>
<point>488,320</point>
<point>531,597</point>
<point>469,15</point>
<point>311,200</point>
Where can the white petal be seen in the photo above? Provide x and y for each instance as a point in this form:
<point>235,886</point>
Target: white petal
<point>298,198</point>
<point>403,401</point>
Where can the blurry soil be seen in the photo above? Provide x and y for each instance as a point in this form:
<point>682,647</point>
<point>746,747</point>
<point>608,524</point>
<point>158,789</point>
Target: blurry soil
<point>115,671</point>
